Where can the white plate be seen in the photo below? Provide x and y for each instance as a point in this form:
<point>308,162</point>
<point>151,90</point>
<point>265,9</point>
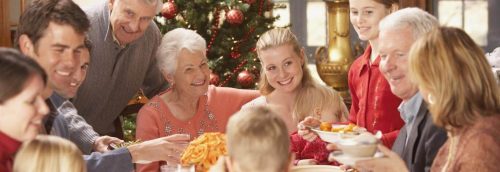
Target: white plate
<point>316,168</point>
<point>349,160</point>
<point>333,137</point>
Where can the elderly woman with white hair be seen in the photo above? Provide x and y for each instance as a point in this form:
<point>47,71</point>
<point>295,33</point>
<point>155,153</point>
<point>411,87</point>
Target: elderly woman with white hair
<point>190,105</point>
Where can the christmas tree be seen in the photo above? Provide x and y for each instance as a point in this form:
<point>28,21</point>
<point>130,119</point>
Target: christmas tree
<point>231,29</point>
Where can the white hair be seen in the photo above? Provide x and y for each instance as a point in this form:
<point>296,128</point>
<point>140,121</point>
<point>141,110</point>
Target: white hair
<point>157,3</point>
<point>420,21</point>
<point>173,42</point>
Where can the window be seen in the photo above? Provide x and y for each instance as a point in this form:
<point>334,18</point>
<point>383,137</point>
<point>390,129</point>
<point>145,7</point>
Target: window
<point>316,23</point>
<point>476,17</point>
<point>470,15</point>
<point>307,20</point>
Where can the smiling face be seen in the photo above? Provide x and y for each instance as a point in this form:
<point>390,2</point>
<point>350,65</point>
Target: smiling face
<point>365,16</point>
<point>21,116</point>
<point>394,60</point>
<point>282,67</point>
<point>77,77</point>
<point>59,53</point>
<point>130,19</point>
<point>192,75</point>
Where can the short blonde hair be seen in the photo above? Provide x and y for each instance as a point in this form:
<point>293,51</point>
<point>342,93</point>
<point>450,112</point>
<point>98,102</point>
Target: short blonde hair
<point>48,153</point>
<point>453,69</point>
<point>318,97</point>
<point>257,140</point>
<point>275,38</point>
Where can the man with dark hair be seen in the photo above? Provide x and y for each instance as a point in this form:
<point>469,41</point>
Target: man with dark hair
<point>53,33</point>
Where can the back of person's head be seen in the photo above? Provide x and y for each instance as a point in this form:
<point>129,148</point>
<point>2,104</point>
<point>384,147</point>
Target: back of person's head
<point>257,140</point>
<point>15,70</point>
<point>48,153</point>
<point>36,18</point>
<point>278,37</point>
<point>173,42</point>
<point>317,98</point>
<point>417,19</point>
<point>453,70</point>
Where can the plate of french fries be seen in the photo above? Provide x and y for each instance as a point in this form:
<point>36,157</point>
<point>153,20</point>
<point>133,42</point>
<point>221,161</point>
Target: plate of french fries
<point>204,151</point>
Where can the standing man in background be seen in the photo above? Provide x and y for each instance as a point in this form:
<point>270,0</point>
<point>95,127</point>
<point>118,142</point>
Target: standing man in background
<point>125,41</point>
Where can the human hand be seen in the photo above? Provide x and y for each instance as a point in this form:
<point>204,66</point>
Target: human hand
<point>102,143</point>
<point>167,148</point>
<point>331,147</point>
<point>304,128</point>
<point>307,162</point>
<point>392,162</point>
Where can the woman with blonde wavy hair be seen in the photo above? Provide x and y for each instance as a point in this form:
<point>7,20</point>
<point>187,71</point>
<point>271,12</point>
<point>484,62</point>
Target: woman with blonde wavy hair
<point>286,84</point>
<point>49,154</point>
<point>456,81</point>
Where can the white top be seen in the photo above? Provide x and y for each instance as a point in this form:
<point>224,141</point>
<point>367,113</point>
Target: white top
<point>259,101</point>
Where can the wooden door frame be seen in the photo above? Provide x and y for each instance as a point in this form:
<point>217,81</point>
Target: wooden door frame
<point>5,40</point>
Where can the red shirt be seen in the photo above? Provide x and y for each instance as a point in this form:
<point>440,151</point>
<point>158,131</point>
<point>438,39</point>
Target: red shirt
<point>8,147</point>
<point>374,107</point>
<point>310,150</point>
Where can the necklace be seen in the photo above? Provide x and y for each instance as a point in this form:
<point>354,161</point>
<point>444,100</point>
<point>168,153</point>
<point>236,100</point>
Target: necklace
<point>207,123</point>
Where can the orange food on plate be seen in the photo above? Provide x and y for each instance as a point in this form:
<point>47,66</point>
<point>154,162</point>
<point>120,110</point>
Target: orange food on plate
<point>345,129</point>
<point>325,126</point>
<point>204,151</point>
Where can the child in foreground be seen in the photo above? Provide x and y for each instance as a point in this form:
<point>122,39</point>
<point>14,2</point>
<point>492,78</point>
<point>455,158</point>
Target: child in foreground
<point>253,136</point>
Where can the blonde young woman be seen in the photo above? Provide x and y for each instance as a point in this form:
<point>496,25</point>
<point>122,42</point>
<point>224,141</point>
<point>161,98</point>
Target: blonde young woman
<point>457,83</point>
<point>283,72</point>
<point>285,81</point>
<point>48,153</point>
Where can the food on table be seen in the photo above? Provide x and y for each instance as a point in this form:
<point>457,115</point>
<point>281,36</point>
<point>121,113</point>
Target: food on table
<point>351,128</point>
<point>204,151</point>
<point>325,126</point>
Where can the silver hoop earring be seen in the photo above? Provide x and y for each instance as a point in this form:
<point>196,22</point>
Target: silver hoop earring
<point>430,98</point>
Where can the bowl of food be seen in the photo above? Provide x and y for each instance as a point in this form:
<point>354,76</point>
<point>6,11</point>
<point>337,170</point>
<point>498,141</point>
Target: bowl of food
<point>333,133</point>
<point>363,145</point>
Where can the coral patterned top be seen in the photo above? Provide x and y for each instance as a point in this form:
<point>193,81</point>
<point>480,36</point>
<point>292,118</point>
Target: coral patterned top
<point>214,109</point>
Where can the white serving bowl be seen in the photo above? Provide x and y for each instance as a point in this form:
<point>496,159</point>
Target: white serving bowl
<point>356,149</point>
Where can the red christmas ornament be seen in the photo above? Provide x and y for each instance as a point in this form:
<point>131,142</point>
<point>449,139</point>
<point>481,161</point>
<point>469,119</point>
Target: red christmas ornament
<point>235,55</point>
<point>214,79</point>
<point>169,10</point>
<point>246,79</point>
<point>250,1</point>
<point>234,17</point>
